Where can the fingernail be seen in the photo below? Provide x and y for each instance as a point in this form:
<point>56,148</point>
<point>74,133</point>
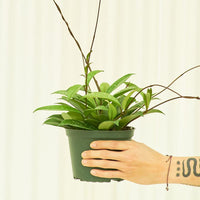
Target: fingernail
<point>93,172</point>
<point>83,154</point>
<point>84,162</point>
<point>93,145</point>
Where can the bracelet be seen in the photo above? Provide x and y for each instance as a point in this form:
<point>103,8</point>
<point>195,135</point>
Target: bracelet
<point>168,160</point>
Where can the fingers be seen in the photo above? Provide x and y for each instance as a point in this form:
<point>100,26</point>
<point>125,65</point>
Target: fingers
<point>109,144</point>
<point>102,154</point>
<point>106,173</point>
<point>106,164</point>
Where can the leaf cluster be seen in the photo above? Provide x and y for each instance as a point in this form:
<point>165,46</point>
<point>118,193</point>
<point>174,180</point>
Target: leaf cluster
<point>112,108</point>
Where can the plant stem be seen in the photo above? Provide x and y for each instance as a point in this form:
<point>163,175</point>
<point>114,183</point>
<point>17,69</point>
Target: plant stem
<point>171,99</point>
<point>166,88</point>
<point>179,97</point>
<point>177,78</point>
<point>95,28</point>
<point>149,86</point>
<point>87,61</point>
<point>69,29</point>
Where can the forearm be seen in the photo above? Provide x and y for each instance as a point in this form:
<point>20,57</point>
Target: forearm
<point>185,170</point>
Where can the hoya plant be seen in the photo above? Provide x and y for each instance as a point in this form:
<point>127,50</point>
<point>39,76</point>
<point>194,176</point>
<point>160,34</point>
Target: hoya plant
<point>109,106</point>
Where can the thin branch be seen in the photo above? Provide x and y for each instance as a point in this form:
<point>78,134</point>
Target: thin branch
<point>167,88</point>
<point>177,78</point>
<point>95,26</point>
<point>179,97</point>
<point>69,29</point>
<point>95,30</point>
<point>171,99</point>
<point>149,86</point>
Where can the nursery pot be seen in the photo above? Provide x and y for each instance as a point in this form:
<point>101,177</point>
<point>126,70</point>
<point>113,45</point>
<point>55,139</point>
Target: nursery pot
<point>79,141</point>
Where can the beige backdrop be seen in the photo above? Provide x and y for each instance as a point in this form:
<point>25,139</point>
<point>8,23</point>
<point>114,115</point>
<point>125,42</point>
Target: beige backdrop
<point>156,39</point>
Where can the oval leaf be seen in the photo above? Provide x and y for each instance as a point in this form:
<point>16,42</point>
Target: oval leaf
<point>126,120</point>
<point>92,74</point>
<point>112,112</point>
<point>57,116</point>
<point>70,92</point>
<point>134,107</point>
<point>104,86</point>
<point>76,124</point>
<point>106,125</point>
<point>62,92</point>
<point>89,111</point>
<point>52,121</point>
<point>154,111</point>
<point>62,107</point>
<point>126,100</point>
<point>72,115</point>
<point>118,82</point>
<point>123,91</point>
<point>102,95</point>
<point>73,90</point>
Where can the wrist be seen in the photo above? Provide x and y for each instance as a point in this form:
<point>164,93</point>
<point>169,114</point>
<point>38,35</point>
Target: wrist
<point>167,170</point>
<point>171,170</point>
<point>162,169</point>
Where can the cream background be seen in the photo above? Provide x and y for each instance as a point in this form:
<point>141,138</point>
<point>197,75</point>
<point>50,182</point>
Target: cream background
<point>156,39</point>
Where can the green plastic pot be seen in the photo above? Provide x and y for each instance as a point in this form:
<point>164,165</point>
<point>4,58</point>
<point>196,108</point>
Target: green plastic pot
<point>79,141</point>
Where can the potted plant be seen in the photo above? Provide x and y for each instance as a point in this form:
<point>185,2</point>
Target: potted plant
<point>105,113</point>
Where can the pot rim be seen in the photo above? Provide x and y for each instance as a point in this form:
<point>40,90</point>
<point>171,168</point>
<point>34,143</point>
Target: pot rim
<point>83,130</point>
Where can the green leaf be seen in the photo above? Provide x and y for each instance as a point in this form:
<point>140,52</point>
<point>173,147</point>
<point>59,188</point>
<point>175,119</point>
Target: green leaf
<point>77,104</point>
<point>136,88</point>
<point>112,112</point>
<point>77,124</point>
<point>72,115</point>
<point>92,122</point>
<point>116,122</point>
<point>70,92</point>
<point>88,56</point>
<point>145,101</point>
<point>102,95</point>
<point>100,117</point>
<point>104,86</point>
<point>126,101</point>
<point>106,125</point>
<point>150,91</point>
<point>57,116</point>
<point>92,74</point>
<point>154,111</point>
<point>123,91</point>
<point>86,69</point>
<point>62,107</point>
<point>52,121</point>
<point>73,90</point>
<point>134,107</point>
<point>147,98</point>
<point>126,120</point>
<point>118,82</point>
<point>62,92</point>
<point>92,102</point>
<point>101,108</point>
<point>89,111</point>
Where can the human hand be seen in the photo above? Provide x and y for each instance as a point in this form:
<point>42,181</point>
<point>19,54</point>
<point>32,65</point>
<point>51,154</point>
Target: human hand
<point>132,161</point>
